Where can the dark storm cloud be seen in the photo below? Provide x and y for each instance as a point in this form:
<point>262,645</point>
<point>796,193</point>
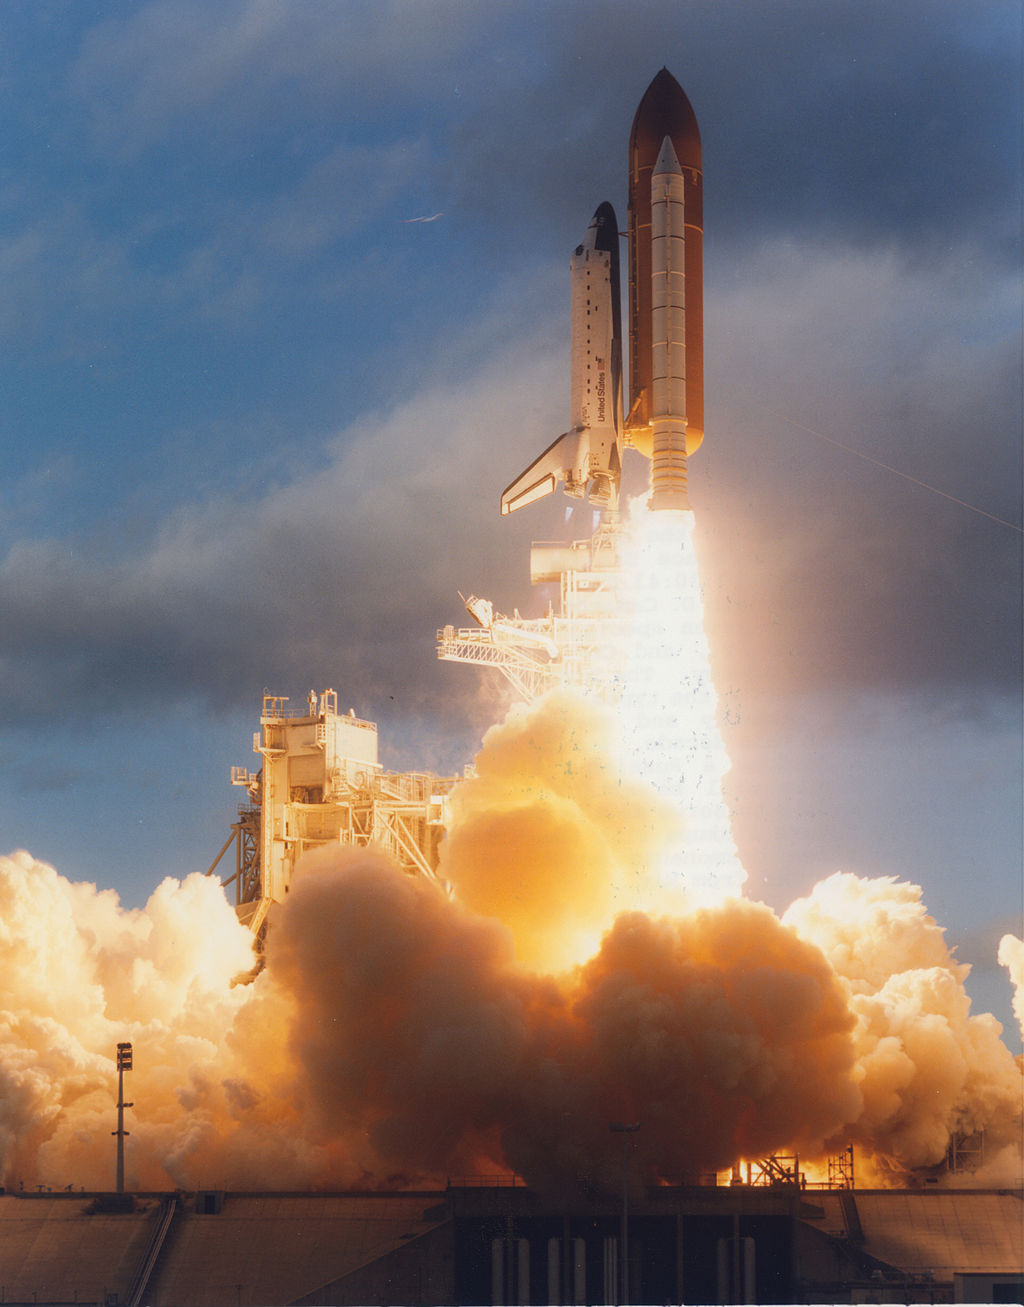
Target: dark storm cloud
<point>823,566</point>
<point>821,570</point>
<point>871,122</point>
<point>338,578</point>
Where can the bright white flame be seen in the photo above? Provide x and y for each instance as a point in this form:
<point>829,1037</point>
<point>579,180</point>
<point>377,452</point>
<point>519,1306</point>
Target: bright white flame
<point>668,702</point>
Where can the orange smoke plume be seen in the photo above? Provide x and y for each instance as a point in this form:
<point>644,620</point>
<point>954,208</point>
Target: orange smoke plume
<point>552,835</point>
<point>423,1038</point>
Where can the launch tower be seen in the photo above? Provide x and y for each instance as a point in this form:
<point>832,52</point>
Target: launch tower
<point>320,783</point>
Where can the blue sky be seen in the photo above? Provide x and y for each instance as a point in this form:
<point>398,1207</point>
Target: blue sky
<point>255,419</point>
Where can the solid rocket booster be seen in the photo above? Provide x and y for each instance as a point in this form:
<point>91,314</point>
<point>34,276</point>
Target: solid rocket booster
<point>668,333</point>
<point>664,111</point>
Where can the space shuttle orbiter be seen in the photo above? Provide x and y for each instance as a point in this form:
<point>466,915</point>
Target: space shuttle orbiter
<point>587,459</point>
<point>665,417</point>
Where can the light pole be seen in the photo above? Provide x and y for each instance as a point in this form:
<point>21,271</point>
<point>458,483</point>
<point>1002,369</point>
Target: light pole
<point>124,1063</point>
<point>621,1128</point>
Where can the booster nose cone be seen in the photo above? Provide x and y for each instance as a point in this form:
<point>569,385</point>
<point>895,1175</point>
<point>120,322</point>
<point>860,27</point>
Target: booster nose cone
<point>666,161</point>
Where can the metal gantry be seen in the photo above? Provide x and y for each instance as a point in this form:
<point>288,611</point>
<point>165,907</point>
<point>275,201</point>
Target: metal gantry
<point>319,784</point>
<point>570,645</point>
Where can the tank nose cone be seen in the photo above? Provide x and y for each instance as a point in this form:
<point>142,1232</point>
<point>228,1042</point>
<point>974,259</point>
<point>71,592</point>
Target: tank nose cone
<point>666,111</point>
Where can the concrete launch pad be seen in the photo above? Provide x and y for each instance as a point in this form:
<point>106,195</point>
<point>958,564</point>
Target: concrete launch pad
<point>479,1243</point>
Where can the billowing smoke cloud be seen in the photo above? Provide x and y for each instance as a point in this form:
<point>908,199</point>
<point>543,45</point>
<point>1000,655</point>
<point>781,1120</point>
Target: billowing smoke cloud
<point>423,1037</point>
<point>398,1034</point>
<point>1011,956</point>
<point>927,1068</point>
<point>79,975</point>
<point>553,835</point>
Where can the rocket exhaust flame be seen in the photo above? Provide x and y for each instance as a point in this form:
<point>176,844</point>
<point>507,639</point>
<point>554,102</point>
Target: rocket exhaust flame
<point>668,710</point>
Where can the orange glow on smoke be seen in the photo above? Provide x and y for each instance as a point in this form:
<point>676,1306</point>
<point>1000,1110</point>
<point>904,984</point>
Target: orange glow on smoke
<point>552,836</point>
